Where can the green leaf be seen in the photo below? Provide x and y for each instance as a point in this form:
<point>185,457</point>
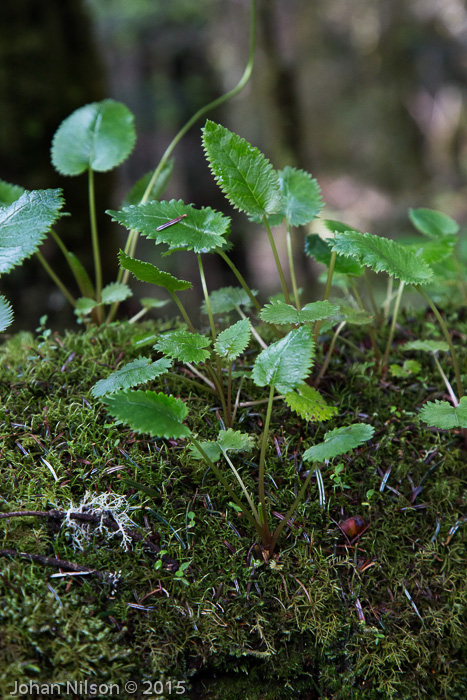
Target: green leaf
<point>234,441</point>
<point>184,346</point>
<point>338,441</point>
<point>140,341</point>
<point>443,415</point>
<point>201,230</point>
<point>427,345</point>
<point>356,317</point>
<point>84,306</point>
<point>9,193</point>
<point>146,272</point>
<point>231,342</point>
<point>82,278</point>
<point>285,363</point>
<point>281,313</point>
<point>433,224</point>
<point>100,136</point>
<point>24,223</point>
<point>320,249</point>
<point>115,291</point>
<point>227,441</point>
<point>210,447</point>
<point>6,313</point>
<point>244,175</point>
<point>301,195</point>
<point>149,412</point>
<point>227,299</point>
<point>409,367</point>
<point>136,193</point>
<point>309,404</point>
<point>433,252</point>
<point>150,303</point>
<point>136,372</point>
<point>383,255</point>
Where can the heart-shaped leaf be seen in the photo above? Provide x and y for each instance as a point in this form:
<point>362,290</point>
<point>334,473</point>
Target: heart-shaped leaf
<point>100,136</point>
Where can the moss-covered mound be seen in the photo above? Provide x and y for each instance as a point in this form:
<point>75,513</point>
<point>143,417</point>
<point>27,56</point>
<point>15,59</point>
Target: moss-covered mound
<point>174,593</point>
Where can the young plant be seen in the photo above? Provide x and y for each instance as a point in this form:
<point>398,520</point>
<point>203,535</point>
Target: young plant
<point>251,185</point>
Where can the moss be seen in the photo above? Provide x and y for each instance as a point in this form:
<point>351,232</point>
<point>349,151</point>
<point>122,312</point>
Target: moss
<point>381,618</point>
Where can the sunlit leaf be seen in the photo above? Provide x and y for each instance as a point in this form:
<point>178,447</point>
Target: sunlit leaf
<point>339,441</point>
<point>309,404</point>
<point>100,136</point>
<point>201,230</point>
<point>285,363</point>
<point>149,412</point>
<point>243,173</point>
<point>24,224</point>
<point>136,372</point>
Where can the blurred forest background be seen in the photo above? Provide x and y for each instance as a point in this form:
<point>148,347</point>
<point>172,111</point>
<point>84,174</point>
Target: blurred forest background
<point>367,95</point>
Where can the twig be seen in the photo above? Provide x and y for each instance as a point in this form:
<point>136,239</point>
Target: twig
<point>59,564</point>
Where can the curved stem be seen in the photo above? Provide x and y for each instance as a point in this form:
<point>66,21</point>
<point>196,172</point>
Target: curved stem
<point>182,310</point>
<point>224,483</point>
<point>451,393</point>
<point>276,260</point>
<point>327,291</point>
<point>95,237</point>
<point>264,444</point>
<point>133,235</point>
<point>206,297</point>
<point>56,279</point>
<point>243,487</point>
<point>238,275</point>
<point>329,355</point>
<point>444,328</point>
<point>292,268</point>
<point>393,325</point>
<point>290,512</point>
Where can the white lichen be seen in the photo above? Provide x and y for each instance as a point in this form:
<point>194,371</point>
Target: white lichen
<point>106,506</point>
